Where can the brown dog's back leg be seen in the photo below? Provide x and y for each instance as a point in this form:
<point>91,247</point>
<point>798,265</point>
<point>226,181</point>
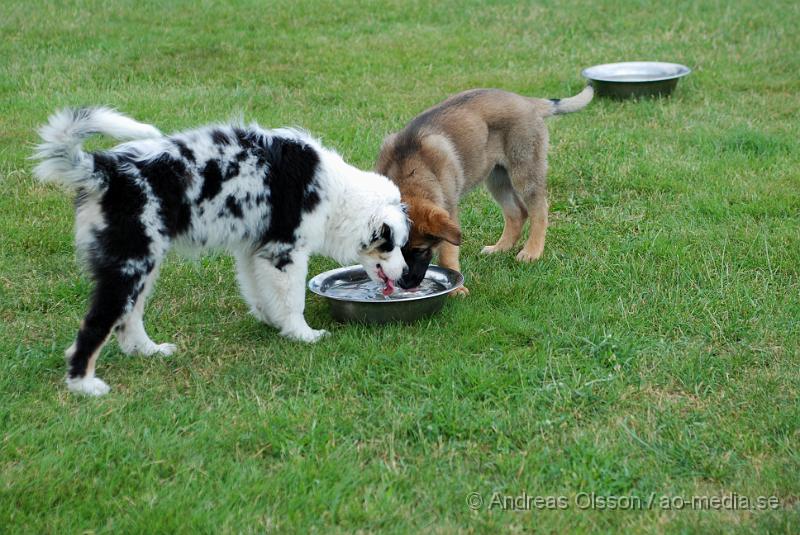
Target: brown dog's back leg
<point>528,173</point>
<point>514,211</point>
<point>534,247</point>
<point>535,199</point>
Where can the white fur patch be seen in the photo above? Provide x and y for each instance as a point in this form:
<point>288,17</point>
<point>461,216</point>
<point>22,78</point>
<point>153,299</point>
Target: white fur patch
<point>90,386</point>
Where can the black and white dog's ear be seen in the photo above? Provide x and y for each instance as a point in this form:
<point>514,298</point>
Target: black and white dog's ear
<point>385,240</point>
<point>382,238</point>
<point>386,232</point>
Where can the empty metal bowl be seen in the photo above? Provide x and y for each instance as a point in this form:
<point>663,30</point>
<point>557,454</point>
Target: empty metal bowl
<point>352,296</point>
<point>635,78</point>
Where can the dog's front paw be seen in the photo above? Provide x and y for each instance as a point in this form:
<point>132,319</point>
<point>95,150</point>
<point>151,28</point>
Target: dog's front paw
<point>527,256</point>
<point>163,349</point>
<point>90,386</point>
<point>460,292</point>
<point>307,335</point>
<point>147,348</point>
<point>496,248</point>
<point>315,334</point>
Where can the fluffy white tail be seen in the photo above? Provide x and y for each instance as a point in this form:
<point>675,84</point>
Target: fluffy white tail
<point>571,104</point>
<point>63,159</point>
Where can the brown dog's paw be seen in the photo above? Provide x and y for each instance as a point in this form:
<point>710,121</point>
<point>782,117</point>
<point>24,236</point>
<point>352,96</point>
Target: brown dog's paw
<point>496,248</point>
<point>526,256</point>
<point>460,292</point>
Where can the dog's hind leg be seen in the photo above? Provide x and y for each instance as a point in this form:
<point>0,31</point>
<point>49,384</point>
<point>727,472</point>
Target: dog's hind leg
<point>131,335</point>
<point>115,295</point>
<point>275,291</point>
<point>536,204</point>
<point>514,211</point>
<point>528,173</point>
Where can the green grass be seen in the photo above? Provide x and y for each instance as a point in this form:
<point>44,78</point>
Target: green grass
<point>654,350</point>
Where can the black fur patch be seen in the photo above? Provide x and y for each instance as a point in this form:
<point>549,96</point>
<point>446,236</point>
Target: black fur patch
<point>292,167</point>
<point>169,178</point>
<point>212,181</point>
<point>386,239</point>
<point>185,151</point>
<point>232,170</point>
<point>280,257</point>
<point>115,293</point>
<point>234,207</point>
<point>112,294</point>
<point>220,138</point>
<point>245,140</point>
<point>122,205</point>
<point>281,261</point>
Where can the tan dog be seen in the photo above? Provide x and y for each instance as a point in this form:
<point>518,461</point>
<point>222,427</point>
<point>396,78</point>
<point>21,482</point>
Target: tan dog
<point>479,135</point>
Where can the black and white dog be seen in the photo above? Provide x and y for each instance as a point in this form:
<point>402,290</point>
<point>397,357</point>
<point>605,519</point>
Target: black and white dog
<point>270,197</point>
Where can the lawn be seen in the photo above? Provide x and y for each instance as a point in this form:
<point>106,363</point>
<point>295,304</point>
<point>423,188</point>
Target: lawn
<point>653,353</point>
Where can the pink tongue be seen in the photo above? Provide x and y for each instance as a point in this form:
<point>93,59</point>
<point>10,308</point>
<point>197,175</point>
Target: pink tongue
<point>389,288</point>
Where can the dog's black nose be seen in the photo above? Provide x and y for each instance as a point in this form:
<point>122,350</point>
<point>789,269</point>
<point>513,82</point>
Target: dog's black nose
<point>405,271</point>
<point>407,281</point>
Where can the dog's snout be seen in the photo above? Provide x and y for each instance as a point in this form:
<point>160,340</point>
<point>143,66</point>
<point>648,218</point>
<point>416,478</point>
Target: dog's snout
<point>407,281</point>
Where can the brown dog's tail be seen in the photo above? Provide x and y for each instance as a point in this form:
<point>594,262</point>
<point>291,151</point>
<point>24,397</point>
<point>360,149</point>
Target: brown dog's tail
<point>557,106</point>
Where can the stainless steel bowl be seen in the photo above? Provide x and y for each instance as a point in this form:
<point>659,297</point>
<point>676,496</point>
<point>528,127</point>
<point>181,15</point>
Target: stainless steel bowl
<point>635,78</point>
<point>402,307</point>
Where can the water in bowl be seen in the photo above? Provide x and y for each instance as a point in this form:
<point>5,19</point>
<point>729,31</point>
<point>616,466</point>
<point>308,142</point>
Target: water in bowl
<point>366,289</point>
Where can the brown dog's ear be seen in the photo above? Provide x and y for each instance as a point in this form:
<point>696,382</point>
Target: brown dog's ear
<point>445,228</point>
<point>429,219</point>
<point>434,221</point>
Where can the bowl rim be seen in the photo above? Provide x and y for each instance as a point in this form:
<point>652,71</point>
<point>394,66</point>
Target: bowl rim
<point>315,285</point>
<point>683,70</point>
